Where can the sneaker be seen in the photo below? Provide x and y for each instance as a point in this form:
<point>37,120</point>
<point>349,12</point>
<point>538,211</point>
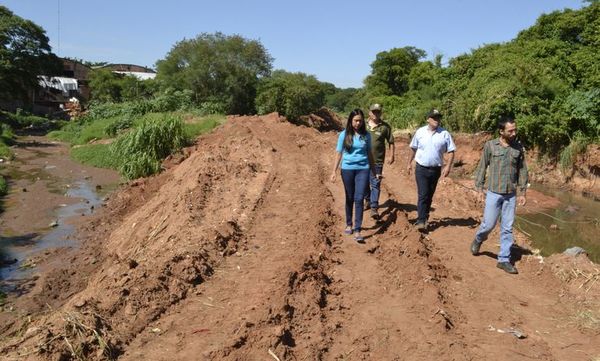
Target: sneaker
<point>359,238</point>
<point>421,226</point>
<point>475,247</point>
<point>374,214</point>
<point>507,267</point>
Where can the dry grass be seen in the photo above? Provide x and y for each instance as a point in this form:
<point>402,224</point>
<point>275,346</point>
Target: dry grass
<point>84,332</point>
<point>587,319</point>
<point>587,279</point>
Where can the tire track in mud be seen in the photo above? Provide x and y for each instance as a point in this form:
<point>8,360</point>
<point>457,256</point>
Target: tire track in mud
<point>391,291</point>
<point>272,294</point>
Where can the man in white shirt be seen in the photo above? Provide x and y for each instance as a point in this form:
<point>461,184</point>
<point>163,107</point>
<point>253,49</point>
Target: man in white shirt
<point>428,146</point>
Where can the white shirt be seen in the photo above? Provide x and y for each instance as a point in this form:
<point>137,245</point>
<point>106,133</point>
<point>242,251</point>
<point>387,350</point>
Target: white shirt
<point>431,146</point>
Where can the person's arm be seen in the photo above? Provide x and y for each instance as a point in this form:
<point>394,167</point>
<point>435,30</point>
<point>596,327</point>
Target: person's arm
<point>391,146</point>
<point>411,156</point>
<point>522,180</point>
<point>338,159</point>
<point>371,158</point>
<point>448,165</point>
<point>414,144</point>
<point>481,170</point>
<point>450,148</point>
<point>339,150</point>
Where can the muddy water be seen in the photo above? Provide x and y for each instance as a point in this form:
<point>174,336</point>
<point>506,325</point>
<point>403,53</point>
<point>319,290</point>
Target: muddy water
<point>49,195</point>
<point>575,221</point>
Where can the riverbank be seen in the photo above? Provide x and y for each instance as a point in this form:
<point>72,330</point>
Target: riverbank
<point>218,258</point>
<point>50,196</point>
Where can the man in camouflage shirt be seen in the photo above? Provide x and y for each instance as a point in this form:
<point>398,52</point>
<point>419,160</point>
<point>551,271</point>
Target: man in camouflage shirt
<point>505,158</point>
<point>381,132</point>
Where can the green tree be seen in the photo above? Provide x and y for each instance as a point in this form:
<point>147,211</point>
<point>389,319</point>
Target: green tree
<point>390,70</point>
<point>290,94</point>
<point>105,85</point>
<point>217,68</point>
<point>25,53</point>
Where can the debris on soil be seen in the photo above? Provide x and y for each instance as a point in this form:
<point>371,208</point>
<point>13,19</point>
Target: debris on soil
<point>323,120</point>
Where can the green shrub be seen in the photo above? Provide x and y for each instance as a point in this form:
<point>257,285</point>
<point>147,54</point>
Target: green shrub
<point>568,156</point>
<point>3,186</point>
<point>118,125</point>
<point>22,119</point>
<point>140,151</point>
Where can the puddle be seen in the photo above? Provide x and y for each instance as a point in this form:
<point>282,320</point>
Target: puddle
<point>25,248</point>
<point>574,222</point>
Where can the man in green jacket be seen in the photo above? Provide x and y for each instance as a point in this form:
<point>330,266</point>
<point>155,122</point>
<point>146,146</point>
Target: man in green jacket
<point>381,132</point>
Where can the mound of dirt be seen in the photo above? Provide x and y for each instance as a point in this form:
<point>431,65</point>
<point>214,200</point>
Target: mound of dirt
<point>236,252</point>
<point>323,120</point>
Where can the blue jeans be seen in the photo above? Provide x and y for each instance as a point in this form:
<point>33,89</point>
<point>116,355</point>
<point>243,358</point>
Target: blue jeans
<point>372,192</point>
<point>427,179</point>
<point>498,205</point>
<point>355,185</point>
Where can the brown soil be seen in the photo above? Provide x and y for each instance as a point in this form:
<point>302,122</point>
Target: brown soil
<point>236,252</point>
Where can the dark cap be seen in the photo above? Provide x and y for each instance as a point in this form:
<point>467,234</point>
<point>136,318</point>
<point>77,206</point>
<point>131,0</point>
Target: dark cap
<point>435,114</point>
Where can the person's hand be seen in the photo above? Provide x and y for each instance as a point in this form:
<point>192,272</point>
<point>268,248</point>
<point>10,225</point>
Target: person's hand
<point>333,176</point>
<point>392,159</point>
<point>446,171</point>
<point>522,200</point>
<point>408,168</point>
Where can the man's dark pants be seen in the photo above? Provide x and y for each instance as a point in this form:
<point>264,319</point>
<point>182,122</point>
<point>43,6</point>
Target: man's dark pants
<point>427,179</point>
<point>372,192</point>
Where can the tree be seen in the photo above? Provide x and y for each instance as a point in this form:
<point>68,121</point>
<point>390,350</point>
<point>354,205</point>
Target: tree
<point>390,70</point>
<point>217,68</point>
<point>290,94</point>
<point>25,53</point>
<point>105,86</point>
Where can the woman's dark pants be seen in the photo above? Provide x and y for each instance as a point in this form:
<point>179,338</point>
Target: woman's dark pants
<point>355,184</point>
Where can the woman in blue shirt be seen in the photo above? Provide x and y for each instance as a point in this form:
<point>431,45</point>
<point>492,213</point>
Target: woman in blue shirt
<point>353,152</point>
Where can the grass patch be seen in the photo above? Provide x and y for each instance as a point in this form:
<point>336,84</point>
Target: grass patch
<point>78,133</point>
<point>587,319</point>
<point>198,126</point>
<point>95,155</point>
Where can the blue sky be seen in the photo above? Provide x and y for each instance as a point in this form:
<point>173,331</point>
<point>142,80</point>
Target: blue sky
<point>335,40</point>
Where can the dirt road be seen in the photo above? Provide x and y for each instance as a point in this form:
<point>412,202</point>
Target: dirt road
<point>237,253</point>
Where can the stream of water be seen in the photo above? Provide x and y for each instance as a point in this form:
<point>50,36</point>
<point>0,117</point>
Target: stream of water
<point>574,222</point>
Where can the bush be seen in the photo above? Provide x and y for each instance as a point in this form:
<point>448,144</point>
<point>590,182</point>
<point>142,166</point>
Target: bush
<point>118,125</point>
<point>140,151</point>
<point>3,186</point>
<point>568,156</point>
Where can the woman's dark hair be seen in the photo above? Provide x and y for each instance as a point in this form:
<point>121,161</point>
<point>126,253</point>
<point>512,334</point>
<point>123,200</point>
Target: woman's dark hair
<point>503,120</point>
<point>350,129</point>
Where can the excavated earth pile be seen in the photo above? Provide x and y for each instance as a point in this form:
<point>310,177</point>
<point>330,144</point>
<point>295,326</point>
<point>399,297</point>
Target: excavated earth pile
<point>237,253</point>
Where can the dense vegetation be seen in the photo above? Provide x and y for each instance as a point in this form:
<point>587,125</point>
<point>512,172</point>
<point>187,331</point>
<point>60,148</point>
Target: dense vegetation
<point>144,132</point>
<point>548,77</point>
